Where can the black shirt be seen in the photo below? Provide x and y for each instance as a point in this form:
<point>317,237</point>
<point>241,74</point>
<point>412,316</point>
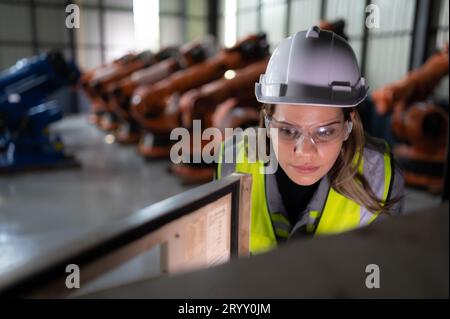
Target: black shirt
<point>295,197</point>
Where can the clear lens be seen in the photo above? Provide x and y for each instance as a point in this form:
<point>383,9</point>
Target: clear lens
<point>319,134</point>
<point>327,134</point>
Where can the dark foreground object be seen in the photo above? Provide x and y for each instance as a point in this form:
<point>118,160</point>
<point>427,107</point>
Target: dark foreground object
<point>412,254</point>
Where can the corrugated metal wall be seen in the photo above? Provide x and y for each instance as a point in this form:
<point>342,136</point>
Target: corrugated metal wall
<point>28,27</point>
<point>303,14</point>
<point>353,12</point>
<point>15,32</point>
<point>388,48</point>
<point>247,17</point>
<point>35,26</point>
<point>273,20</point>
<point>107,30</point>
<point>182,21</point>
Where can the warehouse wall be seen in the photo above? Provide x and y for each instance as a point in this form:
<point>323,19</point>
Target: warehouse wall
<point>384,53</point>
<point>389,46</point>
<point>28,27</point>
<point>182,21</point>
<point>14,42</point>
<point>106,31</point>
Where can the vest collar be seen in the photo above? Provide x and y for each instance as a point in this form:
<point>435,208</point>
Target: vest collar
<point>275,202</point>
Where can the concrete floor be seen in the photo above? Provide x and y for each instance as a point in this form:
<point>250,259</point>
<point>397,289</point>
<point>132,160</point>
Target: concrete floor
<point>42,210</point>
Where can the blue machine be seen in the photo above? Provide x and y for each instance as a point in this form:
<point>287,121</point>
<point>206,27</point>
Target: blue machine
<point>25,112</point>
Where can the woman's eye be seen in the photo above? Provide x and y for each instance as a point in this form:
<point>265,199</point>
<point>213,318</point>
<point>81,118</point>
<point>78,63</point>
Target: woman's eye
<point>288,132</point>
<point>326,132</point>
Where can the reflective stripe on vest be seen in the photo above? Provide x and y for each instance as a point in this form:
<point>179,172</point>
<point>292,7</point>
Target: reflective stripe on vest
<point>281,225</point>
<point>332,220</point>
<point>262,235</point>
<point>339,213</point>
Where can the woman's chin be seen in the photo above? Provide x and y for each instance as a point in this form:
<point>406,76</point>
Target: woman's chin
<point>303,180</point>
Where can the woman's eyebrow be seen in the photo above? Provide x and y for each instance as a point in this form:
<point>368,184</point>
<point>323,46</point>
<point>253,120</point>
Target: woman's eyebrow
<point>284,122</point>
<point>332,121</point>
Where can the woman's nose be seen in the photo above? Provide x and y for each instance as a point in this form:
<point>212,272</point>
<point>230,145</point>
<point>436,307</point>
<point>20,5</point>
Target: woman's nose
<point>304,146</point>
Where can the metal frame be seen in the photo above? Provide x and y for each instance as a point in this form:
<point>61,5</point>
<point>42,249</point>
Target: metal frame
<point>45,275</point>
<point>287,25</point>
<point>101,20</point>
<point>422,19</point>
<point>74,106</point>
<point>434,29</point>
<point>365,41</point>
<point>259,16</point>
<point>34,27</point>
<point>323,9</point>
<point>213,18</point>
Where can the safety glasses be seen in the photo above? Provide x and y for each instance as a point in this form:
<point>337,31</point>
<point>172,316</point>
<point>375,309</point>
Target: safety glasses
<point>325,133</point>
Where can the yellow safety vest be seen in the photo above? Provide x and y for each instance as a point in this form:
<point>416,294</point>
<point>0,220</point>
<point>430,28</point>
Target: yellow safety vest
<point>339,214</point>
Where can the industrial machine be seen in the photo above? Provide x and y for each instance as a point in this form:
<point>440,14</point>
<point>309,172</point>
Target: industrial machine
<point>228,102</point>
<point>156,107</point>
<point>97,104</point>
<point>420,124</point>
<point>120,93</point>
<point>103,81</point>
<point>25,112</point>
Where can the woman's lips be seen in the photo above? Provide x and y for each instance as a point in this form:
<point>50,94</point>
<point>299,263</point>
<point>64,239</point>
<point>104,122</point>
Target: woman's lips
<point>305,169</point>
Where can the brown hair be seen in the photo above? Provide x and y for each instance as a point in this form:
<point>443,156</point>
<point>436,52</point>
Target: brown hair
<point>344,175</point>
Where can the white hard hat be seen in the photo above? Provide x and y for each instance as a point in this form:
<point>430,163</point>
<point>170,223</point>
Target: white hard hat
<point>314,67</point>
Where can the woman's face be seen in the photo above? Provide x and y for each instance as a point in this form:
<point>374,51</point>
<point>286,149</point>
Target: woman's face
<point>304,161</point>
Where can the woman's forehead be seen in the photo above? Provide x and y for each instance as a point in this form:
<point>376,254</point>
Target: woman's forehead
<point>306,114</point>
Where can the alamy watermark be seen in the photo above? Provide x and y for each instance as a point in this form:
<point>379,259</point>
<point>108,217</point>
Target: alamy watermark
<point>189,149</point>
<point>373,277</point>
<point>373,17</point>
<point>73,279</point>
<point>73,17</point>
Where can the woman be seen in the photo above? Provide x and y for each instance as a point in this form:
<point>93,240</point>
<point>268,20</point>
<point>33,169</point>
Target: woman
<point>331,177</point>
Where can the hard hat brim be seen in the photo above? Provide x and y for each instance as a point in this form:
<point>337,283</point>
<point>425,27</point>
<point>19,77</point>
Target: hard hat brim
<point>296,100</point>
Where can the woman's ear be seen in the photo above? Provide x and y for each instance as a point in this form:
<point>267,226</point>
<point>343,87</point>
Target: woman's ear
<point>349,129</point>
<point>350,125</point>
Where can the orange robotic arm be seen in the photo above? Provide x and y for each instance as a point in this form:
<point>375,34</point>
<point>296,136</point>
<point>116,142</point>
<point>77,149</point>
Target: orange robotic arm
<point>151,101</point>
